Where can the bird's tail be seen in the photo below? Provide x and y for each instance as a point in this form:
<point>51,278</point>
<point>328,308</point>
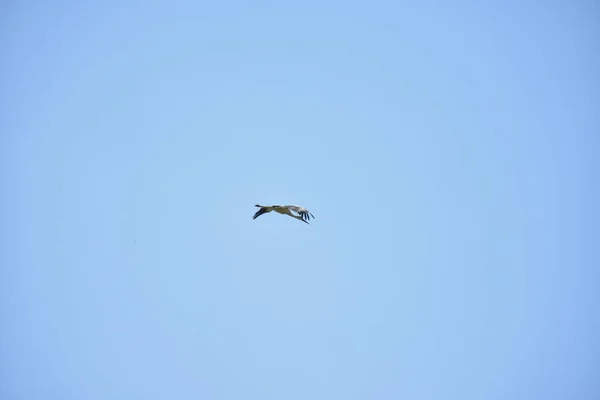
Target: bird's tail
<point>257,205</point>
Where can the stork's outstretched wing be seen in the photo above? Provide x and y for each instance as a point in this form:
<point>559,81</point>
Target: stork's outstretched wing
<point>303,212</point>
<point>263,210</point>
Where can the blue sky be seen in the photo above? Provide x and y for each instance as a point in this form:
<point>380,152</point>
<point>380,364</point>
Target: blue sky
<point>447,151</point>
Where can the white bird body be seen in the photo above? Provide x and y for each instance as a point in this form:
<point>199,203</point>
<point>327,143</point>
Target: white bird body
<point>303,214</point>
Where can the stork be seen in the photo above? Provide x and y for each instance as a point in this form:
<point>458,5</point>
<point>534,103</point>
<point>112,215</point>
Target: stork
<point>303,214</point>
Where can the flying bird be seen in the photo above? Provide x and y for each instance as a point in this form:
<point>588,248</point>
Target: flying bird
<point>303,214</point>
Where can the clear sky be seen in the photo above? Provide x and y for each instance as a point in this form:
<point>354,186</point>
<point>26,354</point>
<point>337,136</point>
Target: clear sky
<point>448,150</point>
